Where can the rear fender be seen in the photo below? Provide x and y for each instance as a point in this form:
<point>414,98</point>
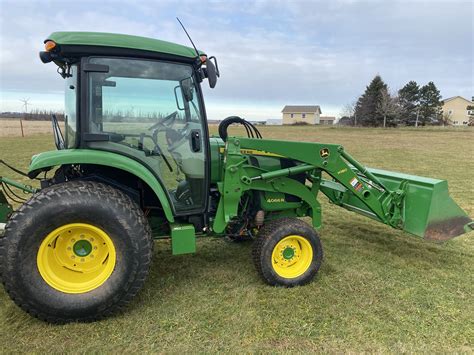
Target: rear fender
<point>48,160</point>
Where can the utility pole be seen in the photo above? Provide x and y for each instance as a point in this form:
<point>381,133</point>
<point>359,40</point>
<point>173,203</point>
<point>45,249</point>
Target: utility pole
<point>25,106</point>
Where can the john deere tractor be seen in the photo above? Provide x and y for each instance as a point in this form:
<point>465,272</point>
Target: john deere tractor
<point>135,161</point>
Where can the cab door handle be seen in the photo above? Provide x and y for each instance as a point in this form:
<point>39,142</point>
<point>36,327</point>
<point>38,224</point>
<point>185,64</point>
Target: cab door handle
<point>196,140</point>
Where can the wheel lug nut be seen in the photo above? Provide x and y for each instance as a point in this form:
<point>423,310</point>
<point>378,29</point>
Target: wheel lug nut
<point>73,257</point>
<point>82,260</point>
<point>92,256</point>
<point>92,239</point>
<point>69,248</point>
<point>73,240</point>
<point>82,236</point>
<point>95,248</point>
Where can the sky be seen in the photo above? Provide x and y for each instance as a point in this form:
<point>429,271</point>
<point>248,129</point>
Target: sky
<point>270,53</point>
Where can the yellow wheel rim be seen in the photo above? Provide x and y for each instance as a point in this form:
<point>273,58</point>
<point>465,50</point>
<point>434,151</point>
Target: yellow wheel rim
<point>76,258</point>
<point>292,256</point>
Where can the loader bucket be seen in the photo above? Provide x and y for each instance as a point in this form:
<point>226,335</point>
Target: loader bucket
<point>428,210</point>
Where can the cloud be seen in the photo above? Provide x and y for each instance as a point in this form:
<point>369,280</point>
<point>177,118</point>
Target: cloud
<point>270,53</point>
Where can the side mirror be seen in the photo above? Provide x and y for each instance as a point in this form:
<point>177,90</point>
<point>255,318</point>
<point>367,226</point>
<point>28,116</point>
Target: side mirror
<point>176,97</point>
<point>211,73</point>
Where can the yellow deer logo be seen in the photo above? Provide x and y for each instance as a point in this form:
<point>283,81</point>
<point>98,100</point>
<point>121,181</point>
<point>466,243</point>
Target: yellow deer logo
<point>324,153</point>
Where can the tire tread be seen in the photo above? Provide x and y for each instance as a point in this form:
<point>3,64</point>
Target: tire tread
<point>107,195</point>
<point>269,231</point>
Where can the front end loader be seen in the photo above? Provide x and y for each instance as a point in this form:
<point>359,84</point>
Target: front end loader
<point>135,162</point>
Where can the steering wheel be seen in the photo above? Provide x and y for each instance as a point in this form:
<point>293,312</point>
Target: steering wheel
<point>156,150</point>
<point>170,118</point>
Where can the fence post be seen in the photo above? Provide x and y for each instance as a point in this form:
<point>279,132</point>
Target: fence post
<point>21,125</point>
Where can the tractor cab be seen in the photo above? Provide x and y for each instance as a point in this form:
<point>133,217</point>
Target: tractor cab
<point>140,98</point>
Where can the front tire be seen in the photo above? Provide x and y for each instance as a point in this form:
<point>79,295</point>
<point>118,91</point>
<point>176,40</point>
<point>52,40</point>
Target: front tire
<point>287,252</point>
<point>77,251</point>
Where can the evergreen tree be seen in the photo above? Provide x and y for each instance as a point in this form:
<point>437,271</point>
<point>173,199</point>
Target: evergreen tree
<point>430,105</point>
<point>366,110</point>
<point>409,99</point>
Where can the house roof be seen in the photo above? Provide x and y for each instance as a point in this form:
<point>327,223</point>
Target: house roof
<point>455,97</point>
<point>301,109</point>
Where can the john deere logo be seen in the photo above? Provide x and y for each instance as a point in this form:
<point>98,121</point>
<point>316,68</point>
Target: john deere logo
<point>324,153</point>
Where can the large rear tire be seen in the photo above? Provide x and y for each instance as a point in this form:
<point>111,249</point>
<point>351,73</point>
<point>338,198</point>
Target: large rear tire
<point>287,252</point>
<point>77,251</point>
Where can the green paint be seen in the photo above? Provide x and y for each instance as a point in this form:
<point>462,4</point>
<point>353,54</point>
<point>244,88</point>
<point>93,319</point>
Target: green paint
<point>275,201</point>
<point>82,248</point>
<point>183,239</point>
<point>427,206</point>
<point>18,185</point>
<point>288,253</point>
<point>286,172</point>
<point>54,158</point>
<point>418,205</point>
<point>240,176</point>
<point>121,41</point>
<point>216,158</point>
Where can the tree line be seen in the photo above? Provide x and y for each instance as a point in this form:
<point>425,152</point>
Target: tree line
<point>412,105</point>
<point>34,115</point>
<point>115,115</point>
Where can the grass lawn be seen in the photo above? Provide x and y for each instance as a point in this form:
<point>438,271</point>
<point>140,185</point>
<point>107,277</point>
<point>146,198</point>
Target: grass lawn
<point>378,290</point>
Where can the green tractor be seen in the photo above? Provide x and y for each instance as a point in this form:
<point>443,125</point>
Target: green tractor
<point>135,162</point>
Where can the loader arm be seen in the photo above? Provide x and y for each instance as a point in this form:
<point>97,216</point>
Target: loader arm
<point>418,205</point>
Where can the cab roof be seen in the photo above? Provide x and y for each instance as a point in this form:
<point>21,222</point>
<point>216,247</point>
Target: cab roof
<point>115,40</point>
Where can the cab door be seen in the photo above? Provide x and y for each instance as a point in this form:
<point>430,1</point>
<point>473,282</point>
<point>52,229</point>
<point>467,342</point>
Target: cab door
<point>151,111</point>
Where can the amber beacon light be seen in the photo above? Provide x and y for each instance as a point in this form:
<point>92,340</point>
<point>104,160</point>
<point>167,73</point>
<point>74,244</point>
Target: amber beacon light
<point>49,45</point>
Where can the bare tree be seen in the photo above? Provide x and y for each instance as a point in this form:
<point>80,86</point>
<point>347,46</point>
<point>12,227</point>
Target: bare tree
<point>388,107</point>
<point>349,111</point>
<point>446,119</point>
<point>470,110</point>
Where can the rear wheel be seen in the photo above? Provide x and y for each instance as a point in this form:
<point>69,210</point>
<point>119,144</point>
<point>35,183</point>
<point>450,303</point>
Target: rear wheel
<point>287,252</point>
<point>77,251</point>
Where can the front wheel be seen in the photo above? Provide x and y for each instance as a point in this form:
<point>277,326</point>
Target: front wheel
<point>287,252</point>
<point>77,251</point>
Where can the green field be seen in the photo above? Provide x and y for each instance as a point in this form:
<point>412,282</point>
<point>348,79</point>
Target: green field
<point>379,290</point>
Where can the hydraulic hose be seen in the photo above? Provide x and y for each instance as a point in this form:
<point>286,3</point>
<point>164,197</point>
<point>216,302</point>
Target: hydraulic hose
<point>252,131</point>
